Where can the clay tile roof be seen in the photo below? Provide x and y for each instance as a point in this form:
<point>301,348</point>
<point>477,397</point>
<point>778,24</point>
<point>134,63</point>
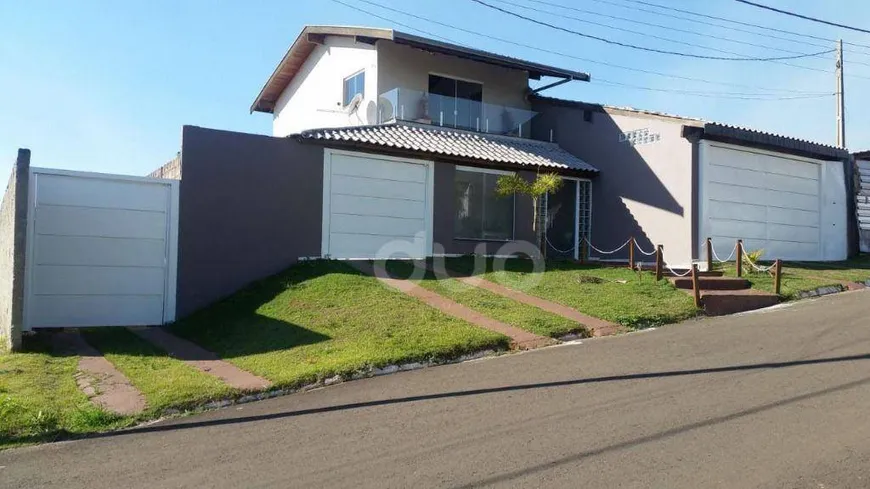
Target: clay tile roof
<point>435,140</point>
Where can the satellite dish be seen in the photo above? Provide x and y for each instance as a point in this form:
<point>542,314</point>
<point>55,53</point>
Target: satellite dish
<point>354,103</point>
<point>372,113</point>
<point>385,110</point>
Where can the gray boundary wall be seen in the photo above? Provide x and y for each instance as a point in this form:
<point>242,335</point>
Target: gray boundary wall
<point>249,207</point>
<point>13,243</point>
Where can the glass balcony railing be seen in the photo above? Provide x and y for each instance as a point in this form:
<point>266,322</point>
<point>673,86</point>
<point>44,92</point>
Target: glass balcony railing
<point>417,106</point>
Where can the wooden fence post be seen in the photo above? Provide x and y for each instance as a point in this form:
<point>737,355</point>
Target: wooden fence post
<point>739,257</point>
<point>709,255</point>
<point>696,289</point>
<point>659,263</point>
<point>631,253</point>
<point>778,277</point>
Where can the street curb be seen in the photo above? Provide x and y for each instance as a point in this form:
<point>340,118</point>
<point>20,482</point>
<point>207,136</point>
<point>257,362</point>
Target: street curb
<point>334,380</point>
<point>820,291</point>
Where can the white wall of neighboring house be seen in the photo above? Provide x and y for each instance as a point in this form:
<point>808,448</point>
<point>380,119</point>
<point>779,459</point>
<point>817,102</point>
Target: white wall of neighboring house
<point>314,98</point>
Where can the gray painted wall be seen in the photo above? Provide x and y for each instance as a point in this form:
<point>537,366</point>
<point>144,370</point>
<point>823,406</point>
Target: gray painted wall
<point>405,67</point>
<point>250,206</point>
<point>445,214</point>
<point>13,242</point>
<point>646,190</point>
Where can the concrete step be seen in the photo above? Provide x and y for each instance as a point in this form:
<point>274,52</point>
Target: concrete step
<point>712,283</point>
<point>681,272</point>
<point>722,302</point>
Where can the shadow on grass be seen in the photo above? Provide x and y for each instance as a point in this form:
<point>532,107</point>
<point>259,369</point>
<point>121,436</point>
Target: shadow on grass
<point>235,326</point>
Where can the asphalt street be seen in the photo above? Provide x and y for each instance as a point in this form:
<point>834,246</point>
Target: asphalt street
<point>773,399</point>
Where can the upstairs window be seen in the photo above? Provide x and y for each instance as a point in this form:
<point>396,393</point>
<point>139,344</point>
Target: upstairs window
<point>353,85</point>
<point>456,103</point>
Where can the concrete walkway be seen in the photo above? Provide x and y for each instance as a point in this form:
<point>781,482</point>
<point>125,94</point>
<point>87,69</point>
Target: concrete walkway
<point>202,359</point>
<point>598,327</point>
<point>520,338</point>
<point>98,378</point>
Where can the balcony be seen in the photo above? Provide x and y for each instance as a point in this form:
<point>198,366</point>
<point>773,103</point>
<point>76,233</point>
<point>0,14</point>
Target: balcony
<point>401,104</point>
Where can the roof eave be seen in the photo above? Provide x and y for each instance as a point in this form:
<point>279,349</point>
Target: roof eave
<point>307,38</point>
<point>536,70</point>
<point>312,35</point>
<point>766,141</point>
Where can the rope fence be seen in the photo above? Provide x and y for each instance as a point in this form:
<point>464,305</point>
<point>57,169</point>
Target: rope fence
<point>757,267</point>
<point>712,256</point>
<point>716,256</point>
<point>607,252</point>
<point>557,250</point>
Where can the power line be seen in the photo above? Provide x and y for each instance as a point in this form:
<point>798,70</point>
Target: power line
<point>406,26</point>
<point>643,48</point>
<point>587,60</point>
<point>646,34</point>
<point>730,21</point>
<point>651,24</point>
<point>805,17</point>
<point>724,95</point>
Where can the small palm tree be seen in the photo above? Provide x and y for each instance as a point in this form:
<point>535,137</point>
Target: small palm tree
<point>544,183</point>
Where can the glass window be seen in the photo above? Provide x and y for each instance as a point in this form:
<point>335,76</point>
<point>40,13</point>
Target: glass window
<point>354,85</point>
<point>480,213</point>
<point>455,103</point>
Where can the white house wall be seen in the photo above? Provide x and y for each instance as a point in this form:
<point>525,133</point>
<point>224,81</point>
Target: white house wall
<point>314,98</point>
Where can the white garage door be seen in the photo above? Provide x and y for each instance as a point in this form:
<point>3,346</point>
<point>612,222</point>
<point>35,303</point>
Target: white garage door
<point>376,206</point>
<point>101,250</point>
<point>794,208</point>
<point>770,201</point>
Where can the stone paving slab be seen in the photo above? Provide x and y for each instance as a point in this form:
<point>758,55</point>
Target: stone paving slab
<point>520,338</point>
<point>202,359</point>
<point>98,378</point>
<point>598,327</point>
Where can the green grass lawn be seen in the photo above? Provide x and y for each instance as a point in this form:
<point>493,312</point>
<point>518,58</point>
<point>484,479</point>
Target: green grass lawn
<point>492,305</point>
<point>854,270</point>
<point>164,381</point>
<point>618,295</point>
<point>39,399</point>
<point>323,318</point>
<point>805,276</point>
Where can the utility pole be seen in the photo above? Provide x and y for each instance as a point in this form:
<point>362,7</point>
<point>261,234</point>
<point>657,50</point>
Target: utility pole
<point>841,104</point>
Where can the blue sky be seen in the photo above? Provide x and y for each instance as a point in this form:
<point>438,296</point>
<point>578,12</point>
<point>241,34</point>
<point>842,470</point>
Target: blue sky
<point>106,86</point>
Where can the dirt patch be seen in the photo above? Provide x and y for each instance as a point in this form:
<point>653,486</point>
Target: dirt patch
<point>97,378</point>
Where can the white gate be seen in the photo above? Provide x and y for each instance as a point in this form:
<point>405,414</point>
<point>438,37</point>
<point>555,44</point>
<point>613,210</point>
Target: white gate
<point>863,204</point>
<point>101,250</point>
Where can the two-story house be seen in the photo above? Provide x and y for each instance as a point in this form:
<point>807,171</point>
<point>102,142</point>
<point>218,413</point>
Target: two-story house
<point>425,130</point>
<point>387,144</point>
